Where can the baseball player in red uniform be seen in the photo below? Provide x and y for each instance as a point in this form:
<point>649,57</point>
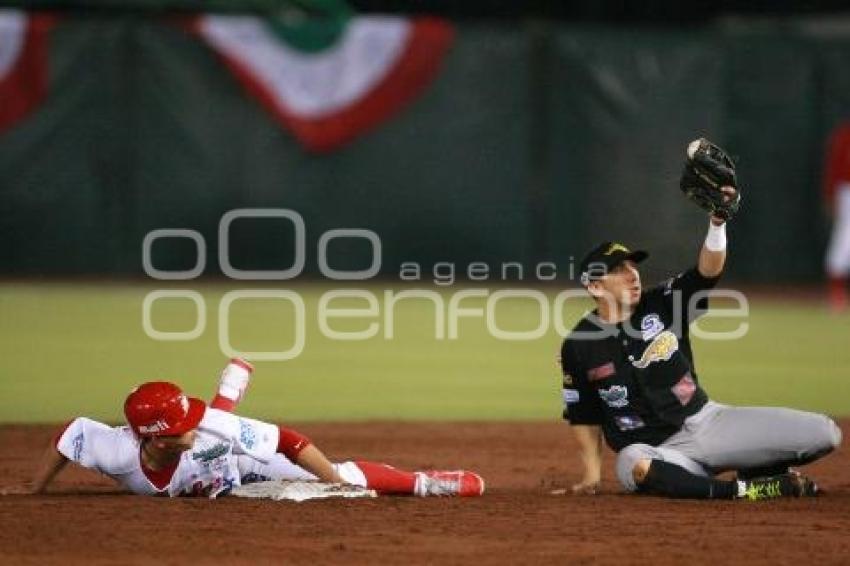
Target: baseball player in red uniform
<point>836,189</point>
<point>176,445</point>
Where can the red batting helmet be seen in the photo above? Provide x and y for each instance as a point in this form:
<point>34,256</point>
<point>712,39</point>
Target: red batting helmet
<point>159,408</point>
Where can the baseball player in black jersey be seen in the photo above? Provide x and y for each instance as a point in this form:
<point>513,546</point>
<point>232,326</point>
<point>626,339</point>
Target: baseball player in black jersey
<point>629,376</point>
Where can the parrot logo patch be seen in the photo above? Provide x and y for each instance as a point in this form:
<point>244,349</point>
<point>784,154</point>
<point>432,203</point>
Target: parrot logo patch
<point>616,396</point>
<point>659,350</point>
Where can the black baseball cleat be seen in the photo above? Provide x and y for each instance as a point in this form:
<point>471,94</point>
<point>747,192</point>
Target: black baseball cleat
<point>806,485</point>
<point>792,484</point>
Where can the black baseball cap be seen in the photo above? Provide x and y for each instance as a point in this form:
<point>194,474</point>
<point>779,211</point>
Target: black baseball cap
<point>605,257</point>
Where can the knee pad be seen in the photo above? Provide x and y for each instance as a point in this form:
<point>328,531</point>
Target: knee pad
<point>627,458</point>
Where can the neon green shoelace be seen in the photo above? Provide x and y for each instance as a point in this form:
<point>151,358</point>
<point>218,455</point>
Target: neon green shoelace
<point>767,490</point>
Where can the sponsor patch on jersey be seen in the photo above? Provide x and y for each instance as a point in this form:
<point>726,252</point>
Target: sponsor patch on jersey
<point>615,396</point>
<point>568,380</point>
<point>628,422</point>
<point>660,349</point>
<point>601,372</point>
<point>684,389</point>
<point>210,453</point>
<point>570,396</point>
<point>247,434</point>
<point>650,327</point>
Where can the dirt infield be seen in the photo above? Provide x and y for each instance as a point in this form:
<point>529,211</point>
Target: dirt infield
<point>85,520</point>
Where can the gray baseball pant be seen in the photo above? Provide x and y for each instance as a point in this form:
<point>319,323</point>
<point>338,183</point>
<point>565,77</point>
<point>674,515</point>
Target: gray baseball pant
<point>721,437</point>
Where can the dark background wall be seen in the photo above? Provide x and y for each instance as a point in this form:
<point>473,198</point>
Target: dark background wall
<point>539,137</point>
<point>608,11</point>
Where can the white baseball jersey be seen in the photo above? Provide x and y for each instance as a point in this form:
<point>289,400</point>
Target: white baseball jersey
<point>209,468</point>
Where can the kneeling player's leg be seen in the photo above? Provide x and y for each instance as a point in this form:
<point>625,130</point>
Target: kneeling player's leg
<point>765,438</point>
<point>666,472</point>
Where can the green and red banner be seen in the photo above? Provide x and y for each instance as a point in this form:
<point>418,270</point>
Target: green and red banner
<point>329,89</point>
<point>326,80</point>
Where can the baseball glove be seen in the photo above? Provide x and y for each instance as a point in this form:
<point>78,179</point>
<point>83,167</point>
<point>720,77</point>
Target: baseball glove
<point>707,169</point>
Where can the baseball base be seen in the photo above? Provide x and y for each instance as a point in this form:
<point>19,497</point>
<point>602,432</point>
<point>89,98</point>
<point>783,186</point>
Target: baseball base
<point>279,490</point>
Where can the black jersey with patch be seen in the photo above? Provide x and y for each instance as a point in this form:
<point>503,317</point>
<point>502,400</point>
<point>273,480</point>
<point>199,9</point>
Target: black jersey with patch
<point>637,378</point>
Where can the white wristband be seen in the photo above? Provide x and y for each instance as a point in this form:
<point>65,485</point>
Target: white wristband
<point>234,379</point>
<point>715,240</point>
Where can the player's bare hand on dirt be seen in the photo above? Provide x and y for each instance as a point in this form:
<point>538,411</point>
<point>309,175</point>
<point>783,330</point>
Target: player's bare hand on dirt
<point>587,487</point>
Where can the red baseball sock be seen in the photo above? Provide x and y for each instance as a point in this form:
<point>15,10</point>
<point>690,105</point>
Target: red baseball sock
<point>385,479</point>
<point>223,403</point>
<point>838,298</point>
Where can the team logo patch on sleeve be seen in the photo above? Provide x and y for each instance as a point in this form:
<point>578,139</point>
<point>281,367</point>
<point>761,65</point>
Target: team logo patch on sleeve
<point>247,435</point>
<point>601,372</point>
<point>570,396</point>
<point>615,396</point>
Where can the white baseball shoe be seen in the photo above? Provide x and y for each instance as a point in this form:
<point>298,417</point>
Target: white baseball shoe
<point>460,483</point>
